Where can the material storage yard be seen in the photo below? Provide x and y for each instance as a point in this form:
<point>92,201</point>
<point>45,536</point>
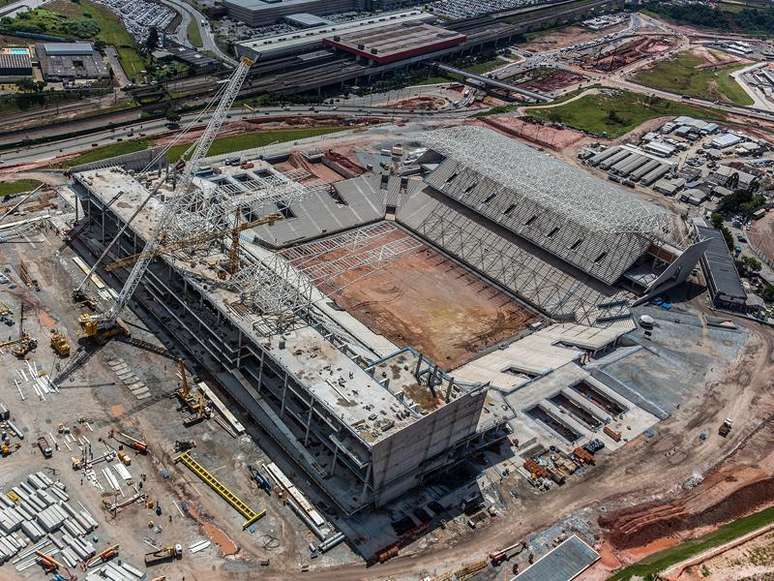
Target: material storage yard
<point>461,343</point>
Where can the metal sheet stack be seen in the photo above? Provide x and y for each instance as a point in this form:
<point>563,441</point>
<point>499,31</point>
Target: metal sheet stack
<point>38,515</point>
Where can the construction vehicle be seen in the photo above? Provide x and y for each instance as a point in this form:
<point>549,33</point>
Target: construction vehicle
<point>6,449</point>
<point>103,326</point>
<point>125,459</point>
<point>45,447</point>
<point>196,404</point>
<point>507,553</point>
<point>184,445</point>
<point>6,315</point>
<point>164,555</point>
<point>127,440</point>
<point>59,344</point>
<point>263,482</point>
<point>48,562</point>
<point>25,343</point>
<point>103,557</point>
<point>725,427</point>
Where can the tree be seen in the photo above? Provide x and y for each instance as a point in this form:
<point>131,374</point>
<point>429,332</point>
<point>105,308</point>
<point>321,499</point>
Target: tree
<point>613,117</point>
<point>153,39</point>
<point>752,263</point>
<point>26,85</point>
<point>717,220</point>
<point>768,293</point>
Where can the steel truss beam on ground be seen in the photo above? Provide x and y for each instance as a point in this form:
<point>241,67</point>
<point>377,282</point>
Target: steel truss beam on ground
<point>281,287</point>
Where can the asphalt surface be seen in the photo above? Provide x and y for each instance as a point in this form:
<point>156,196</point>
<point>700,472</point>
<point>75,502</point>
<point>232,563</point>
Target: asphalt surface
<point>208,38</point>
<point>139,130</point>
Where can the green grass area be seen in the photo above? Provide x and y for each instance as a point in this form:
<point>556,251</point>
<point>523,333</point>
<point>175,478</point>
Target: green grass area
<point>511,108</point>
<point>486,66</point>
<point>650,566</point>
<point>615,113</point>
<point>250,140</point>
<point>17,187</point>
<point>435,80</point>
<point>219,146</point>
<point>82,20</point>
<point>194,35</point>
<point>106,151</point>
<point>730,7</point>
<point>680,75</point>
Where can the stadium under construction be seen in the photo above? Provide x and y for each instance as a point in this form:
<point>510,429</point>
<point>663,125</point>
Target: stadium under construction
<point>363,313</point>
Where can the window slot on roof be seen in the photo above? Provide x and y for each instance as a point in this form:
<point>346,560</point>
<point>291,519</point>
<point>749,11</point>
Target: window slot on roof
<point>470,187</point>
<point>452,178</point>
<point>336,196</point>
<point>552,232</point>
<point>528,222</point>
<point>600,258</point>
<point>509,209</point>
<point>518,371</point>
<point>285,209</point>
<point>576,244</point>
<point>489,198</point>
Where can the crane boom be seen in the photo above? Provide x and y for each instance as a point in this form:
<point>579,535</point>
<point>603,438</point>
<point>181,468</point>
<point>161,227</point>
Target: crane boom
<point>94,325</point>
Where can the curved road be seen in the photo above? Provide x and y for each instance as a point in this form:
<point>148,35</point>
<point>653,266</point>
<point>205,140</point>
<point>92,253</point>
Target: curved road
<point>208,38</point>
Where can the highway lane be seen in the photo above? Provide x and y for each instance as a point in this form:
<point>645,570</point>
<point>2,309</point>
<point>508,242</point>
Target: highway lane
<point>155,128</point>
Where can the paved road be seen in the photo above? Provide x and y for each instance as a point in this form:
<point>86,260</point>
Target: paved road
<point>16,7</point>
<point>208,38</point>
<point>49,151</point>
<point>115,64</point>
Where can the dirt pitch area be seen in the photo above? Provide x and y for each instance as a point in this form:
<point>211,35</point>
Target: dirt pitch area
<point>424,300</point>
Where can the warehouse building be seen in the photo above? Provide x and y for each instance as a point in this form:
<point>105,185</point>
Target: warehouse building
<point>15,64</point>
<point>289,44</point>
<point>395,42</point>
<point>725,286</point>
<point>71,63</point>
<point>265,12</point>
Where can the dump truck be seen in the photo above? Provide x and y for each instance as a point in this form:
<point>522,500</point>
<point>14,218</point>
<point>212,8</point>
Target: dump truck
<point>45,447</point>
<point>725,427</point>
<point>164,555</point>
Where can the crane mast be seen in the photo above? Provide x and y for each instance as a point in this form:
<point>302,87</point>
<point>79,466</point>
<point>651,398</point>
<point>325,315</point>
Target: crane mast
<point>106,323</point>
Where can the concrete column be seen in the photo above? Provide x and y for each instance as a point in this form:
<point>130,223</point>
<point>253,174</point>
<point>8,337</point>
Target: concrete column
<point>260,371</point>
<point>419,364</point>
<point>239,352</point>
<point>365,483</point>
<point>284,393</point>
<point>449,389</point>
<point>335,459</point>
<point>308,422</point>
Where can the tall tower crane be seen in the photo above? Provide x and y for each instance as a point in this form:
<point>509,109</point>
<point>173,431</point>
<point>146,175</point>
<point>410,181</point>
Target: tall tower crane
<point>102,326</point>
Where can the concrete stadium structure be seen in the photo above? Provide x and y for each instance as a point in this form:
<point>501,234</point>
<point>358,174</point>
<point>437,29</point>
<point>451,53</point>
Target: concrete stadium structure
<point>369,420</point>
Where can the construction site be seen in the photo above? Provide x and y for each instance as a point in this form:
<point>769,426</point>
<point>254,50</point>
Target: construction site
<point>417,351</point>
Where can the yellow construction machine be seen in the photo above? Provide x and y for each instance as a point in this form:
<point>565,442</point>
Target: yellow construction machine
<point>59,344</point>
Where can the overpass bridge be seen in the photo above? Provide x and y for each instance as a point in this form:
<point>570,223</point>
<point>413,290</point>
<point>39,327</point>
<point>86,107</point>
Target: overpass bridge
<point>486,81</point>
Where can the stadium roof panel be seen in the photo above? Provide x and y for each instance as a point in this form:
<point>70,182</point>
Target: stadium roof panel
<point>548,181</point>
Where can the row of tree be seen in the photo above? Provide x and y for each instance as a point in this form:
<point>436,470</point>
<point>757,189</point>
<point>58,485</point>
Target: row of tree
<point>747,20</point>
